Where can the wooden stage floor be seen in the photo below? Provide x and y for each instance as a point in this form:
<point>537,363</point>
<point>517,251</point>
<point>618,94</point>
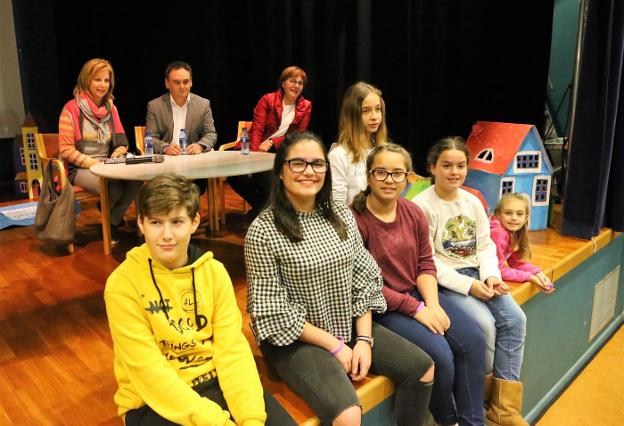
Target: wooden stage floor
<point>56,353</point>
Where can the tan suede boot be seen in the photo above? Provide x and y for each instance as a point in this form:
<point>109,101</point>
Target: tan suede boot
<point>487,388</point>
<point>505,407</point>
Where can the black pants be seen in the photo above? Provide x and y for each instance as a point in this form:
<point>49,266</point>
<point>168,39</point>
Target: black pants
<point>201,184</point>
<point>317,377</point>
<point>255,189</point>
<point>145,416</point>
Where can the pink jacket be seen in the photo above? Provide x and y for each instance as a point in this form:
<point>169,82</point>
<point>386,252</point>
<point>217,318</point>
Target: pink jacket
<point>517,270</point>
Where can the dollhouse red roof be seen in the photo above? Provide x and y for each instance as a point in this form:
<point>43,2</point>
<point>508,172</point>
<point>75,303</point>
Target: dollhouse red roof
<point>504,139</point>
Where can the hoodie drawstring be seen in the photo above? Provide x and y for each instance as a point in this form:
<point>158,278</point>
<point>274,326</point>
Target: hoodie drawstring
<point>200,320</point>
<point>162,301</point>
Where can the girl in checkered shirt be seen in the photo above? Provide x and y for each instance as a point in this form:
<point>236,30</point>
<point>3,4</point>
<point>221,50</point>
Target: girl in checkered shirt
<point>312,290</point>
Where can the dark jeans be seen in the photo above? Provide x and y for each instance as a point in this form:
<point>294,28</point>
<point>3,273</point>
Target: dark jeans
<point>317,377</point>
<point>459,358</point>
<point>145,416</point>
<point>255,189</point>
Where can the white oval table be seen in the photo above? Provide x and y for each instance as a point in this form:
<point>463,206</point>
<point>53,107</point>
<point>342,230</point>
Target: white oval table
<point>208,165</point>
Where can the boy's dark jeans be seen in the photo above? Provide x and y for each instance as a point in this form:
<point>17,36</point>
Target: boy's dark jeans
<point>145,416</point>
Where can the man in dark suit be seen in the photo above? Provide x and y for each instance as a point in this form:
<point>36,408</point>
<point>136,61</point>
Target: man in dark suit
<point>180,109</point>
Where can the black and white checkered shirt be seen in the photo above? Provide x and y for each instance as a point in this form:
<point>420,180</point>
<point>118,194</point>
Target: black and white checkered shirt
<point>321,279</point>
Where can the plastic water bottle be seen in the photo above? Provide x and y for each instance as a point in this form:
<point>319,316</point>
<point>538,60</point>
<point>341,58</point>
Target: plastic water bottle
<point>244,142</point>
<point>182,141</point>
<point>148,144</point>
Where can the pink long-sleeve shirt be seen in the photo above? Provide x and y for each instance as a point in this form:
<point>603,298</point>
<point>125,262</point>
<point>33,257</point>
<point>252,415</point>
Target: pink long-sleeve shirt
<point>512,268</point>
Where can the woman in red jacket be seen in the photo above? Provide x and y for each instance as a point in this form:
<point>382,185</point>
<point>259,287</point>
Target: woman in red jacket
<point>281,112</point>
<point>276,115</point>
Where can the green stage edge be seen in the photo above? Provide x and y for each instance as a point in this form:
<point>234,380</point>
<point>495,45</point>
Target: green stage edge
<point>557,346</point>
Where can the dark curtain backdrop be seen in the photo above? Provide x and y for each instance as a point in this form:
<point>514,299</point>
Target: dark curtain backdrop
<point>442,65</point>
<point>595,182</point>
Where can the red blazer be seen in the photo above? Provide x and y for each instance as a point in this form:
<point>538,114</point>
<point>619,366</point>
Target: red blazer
<point>267,117</point>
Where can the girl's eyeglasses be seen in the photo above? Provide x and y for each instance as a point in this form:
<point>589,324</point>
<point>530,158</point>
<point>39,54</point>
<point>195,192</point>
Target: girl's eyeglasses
<point>381,175</point>
<point>298,165</point>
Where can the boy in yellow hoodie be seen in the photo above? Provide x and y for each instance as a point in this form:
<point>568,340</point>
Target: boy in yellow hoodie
<point>180,354</point>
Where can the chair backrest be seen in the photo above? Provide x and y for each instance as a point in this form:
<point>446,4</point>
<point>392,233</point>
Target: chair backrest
<point>234,144</point>
<point>47,145</point>
<point>242,124</point>
<point>139,136</point>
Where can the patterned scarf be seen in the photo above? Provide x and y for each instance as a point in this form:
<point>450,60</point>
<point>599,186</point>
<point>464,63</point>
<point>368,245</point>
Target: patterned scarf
<point>98,117</point>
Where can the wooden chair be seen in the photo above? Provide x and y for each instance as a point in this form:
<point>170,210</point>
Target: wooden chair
<point>48,151</point>
<point>139,136</point>
<point>219,183</point>
<point>232,144</point>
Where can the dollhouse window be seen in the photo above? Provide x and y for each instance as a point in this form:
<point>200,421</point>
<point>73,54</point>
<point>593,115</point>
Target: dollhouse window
<point>30,140</point>
<point>541,190</point>
<point>23,188</point>
<point>527,160</point>
<point>487,155</point>
<point>21,154</point>
<point>507,186</point>
<point>33,162</point>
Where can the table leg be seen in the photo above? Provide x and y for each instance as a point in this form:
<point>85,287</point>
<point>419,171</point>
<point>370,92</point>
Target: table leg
<point>106,229</point>
<point>213,205</point>
<point>220,194</point>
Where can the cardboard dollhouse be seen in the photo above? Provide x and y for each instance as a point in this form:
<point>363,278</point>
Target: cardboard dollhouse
<point>26,161</point>
<point>507,157</point>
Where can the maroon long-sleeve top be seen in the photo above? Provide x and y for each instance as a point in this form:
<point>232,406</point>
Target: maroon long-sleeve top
<point>402,251</point>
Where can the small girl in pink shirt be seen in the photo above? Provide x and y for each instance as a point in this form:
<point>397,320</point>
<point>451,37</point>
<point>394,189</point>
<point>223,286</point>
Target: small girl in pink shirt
<point>508,230</point>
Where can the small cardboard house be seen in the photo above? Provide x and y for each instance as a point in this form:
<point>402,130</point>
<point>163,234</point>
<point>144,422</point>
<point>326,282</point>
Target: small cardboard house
<point>27,157</point>
<point>20,183</point>
<point>507,157</point>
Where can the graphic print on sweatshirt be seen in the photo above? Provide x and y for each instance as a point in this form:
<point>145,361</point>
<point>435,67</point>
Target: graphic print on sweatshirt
<point>183,342</point>
<point>459,237</point>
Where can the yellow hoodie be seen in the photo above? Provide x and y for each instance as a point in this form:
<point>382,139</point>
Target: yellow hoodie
<point>159,350</point>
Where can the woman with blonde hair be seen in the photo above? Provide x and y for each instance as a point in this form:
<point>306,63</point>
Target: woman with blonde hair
<point>362,127</point>
<point>90,131</point>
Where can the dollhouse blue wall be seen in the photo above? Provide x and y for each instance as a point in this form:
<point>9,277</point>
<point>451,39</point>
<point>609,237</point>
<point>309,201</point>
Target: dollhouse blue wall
<point>487,183</point>
<point>490,184</point>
